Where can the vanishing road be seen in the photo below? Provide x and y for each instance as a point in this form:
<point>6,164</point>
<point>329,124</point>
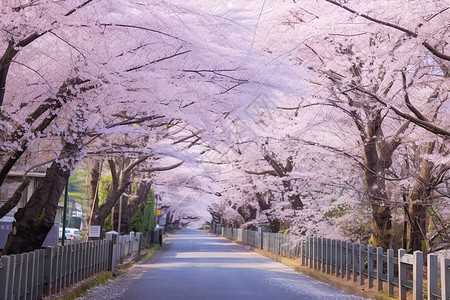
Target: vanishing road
<point>199,266</point>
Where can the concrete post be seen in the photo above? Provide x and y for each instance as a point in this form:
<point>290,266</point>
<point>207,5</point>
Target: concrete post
<point>139,242</point>
<point>401,275</point>
<point>379,268</point>
<point>260,235</point>
<point>418,275</point>
<point>390,271</point>
<point>445,278</point>
<point>432,260</point>
<point>113,236</point>
<point>132,239</point>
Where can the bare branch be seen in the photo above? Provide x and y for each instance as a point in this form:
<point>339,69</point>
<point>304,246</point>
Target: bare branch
<point>270,172</point>
<point>157,60</point>
<point>141,28</point>
<point>159,169</point>
<point>65,41</point>
<point>410,33</point>
<point>424,124</point>
<point>187,138</point>
<point>77,8</point>
<point>408,103</point>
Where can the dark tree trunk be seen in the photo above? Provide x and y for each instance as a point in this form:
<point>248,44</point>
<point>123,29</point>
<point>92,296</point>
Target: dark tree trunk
<point>377,159</point>
<point>418,201</point>
<point>262,202</point>
<point>34,221</point>
<point>115,191</point>
<point>139,197</point>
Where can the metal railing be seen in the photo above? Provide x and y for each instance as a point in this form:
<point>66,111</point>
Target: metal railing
<point>356,262</point>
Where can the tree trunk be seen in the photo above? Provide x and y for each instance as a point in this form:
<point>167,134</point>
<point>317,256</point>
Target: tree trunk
<point>34,221</point>
<point>418,201</point>
<point>93,186</point>
<point>101,212</point>
<point>118,185</point>
<point>139,197</point>
<point>377,159</point>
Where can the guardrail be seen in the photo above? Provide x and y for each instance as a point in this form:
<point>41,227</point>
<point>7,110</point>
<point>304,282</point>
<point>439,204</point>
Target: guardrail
<point>49,270</point>
<point>356,262</point>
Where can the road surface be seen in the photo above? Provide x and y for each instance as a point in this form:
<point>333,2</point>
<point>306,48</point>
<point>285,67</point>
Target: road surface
<point>199,266</point>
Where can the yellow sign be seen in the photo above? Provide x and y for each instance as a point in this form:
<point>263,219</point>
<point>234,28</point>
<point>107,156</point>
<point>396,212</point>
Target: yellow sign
<point>158,212</point>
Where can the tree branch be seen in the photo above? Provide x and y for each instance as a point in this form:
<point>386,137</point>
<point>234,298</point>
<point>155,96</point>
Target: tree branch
<point>270,172</point>
<point>15,198</point>
<point>141,28</point>
<point>424,124</point>
<point>159,169</point>
<point>158,60</point>
<point>410,33</point>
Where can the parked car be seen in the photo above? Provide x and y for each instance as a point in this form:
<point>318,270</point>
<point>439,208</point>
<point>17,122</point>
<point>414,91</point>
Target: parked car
<point>71,234</point>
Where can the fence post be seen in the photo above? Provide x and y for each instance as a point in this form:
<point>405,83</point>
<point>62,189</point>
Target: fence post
<point>361,264</point>
<point>332,257</point>
<point>308,252</point>
<point>418,275</point>
<point>303,252</point>
<point>41,274</point>
<point>324,255</point>
<point>355,262</point>
<point>370,265</point>
<point>432,276</point>
<point>337,260</point>
<point>445,278</point>
<point>132,238</point>
<point>315,246</point>
<point>379,268</point>
<point>401,275</point>
<point>260,235</point>
<point>348,260</point>
<point>328,254</point>
<point>390,271</point>
<point>342,258</point>
<point>6,277</point>
<point>112,236</point>
<point>139,242</point>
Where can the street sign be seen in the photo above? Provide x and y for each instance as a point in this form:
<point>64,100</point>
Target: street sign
<point>158,212</point>
<point>94,231</point>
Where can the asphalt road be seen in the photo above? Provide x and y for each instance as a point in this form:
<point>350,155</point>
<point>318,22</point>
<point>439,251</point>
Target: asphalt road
<point>201,266</point>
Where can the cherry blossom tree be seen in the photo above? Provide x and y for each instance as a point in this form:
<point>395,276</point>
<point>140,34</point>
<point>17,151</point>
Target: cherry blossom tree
<point>297,115</point>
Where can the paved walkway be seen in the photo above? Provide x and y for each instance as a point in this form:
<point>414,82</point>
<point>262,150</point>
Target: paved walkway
<point>201,266</point>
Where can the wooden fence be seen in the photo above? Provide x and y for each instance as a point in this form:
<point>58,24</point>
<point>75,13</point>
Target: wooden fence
<point>356,262</point>
<point>47,271</point>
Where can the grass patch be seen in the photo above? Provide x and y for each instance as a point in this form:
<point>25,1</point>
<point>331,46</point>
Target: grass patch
<point>78,291</point>
<point>150,253</point>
